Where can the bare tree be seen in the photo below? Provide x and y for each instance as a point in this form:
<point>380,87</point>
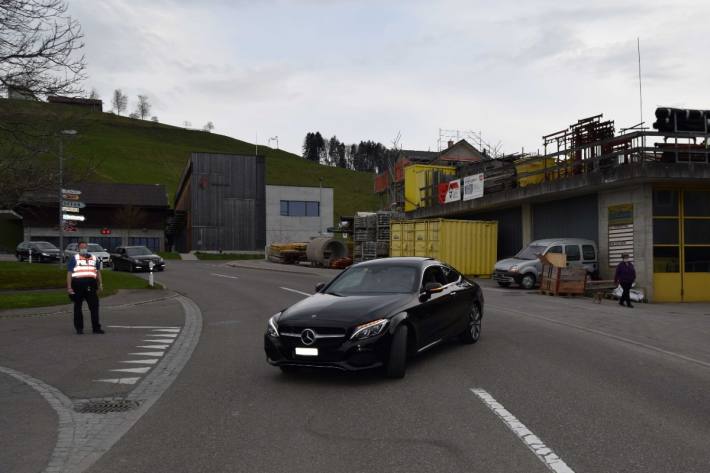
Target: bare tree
<point>154,119</point>
<point>94,95</point>
<point>209,126</point>
<point>134,115</point>
<point>119,101</point>
<point>40,48</point>
<point>143,107</point>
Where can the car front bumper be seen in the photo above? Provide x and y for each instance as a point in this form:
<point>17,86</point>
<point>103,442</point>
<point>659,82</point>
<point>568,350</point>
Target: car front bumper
<point>341,354</point>
<point>505,276</point>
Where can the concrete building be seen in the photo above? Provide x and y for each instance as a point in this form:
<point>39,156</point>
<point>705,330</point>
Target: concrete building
<point>220,204</point>
<point>93,105</point>
<point>115,215</point>
<point>296,214</point>
<point>640,192</point>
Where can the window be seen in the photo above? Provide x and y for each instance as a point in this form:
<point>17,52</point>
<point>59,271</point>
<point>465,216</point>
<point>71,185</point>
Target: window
<point>666,259</point>
<point>555,249</point>
<point>152,243</point>
<point>665,231</point>
<point>697,204</point>
<point>300,208</point>
<point>451,275</point>
<point>665,203</point>
<point>697,259</point>
<point>572,252</point>
<point>588,253</point>
<point>433,274</point>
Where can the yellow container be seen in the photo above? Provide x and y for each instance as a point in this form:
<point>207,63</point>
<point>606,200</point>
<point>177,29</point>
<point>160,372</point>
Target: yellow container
<point>418,177</point>
<point>523,166</point>
<point>470,246</point>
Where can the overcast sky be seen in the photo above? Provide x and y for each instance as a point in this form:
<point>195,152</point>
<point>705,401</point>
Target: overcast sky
<point>363,69</point>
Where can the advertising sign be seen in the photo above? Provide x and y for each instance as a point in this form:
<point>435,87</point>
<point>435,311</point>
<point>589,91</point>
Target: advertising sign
<point>73,203</point>
<point>473,187</point>
<point>77,218</point>
<point>70,209</point>
<point>621,232</point>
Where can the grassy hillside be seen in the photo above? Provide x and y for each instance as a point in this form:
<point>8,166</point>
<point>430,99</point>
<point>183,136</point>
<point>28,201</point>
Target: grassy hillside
<point>138,151</point>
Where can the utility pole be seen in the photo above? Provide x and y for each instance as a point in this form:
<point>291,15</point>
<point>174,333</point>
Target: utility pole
<point>61,186</point>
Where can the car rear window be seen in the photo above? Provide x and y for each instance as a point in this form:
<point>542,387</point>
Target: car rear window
<point>588,253</point>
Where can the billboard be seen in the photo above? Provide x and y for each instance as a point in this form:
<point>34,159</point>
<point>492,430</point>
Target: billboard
<point>473,187</point>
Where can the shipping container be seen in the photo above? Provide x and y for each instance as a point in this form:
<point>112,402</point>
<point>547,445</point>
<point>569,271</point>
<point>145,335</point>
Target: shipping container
<point>470,246</point>
<point>418,177</point>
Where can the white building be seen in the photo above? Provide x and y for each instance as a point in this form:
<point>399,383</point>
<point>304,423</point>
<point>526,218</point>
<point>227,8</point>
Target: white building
<point>296,214</point>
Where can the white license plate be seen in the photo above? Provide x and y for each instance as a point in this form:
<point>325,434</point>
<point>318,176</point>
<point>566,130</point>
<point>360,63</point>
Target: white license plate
<point>302,351</point>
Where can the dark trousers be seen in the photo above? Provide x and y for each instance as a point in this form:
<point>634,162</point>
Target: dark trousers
<point>626,294</point>
<point>85,290</point>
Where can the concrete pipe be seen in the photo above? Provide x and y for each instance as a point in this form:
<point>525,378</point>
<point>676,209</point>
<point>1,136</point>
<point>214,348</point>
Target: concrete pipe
<point>322,250</point>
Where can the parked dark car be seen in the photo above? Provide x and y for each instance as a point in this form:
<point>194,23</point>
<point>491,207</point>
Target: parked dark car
<point>42,252</point>
<point>376,314</point>
<point>135,258</point>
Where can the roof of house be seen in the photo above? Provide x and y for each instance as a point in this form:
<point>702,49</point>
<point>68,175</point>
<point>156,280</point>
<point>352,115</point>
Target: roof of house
<point>462,144</point>
<point>73,100</point>
<point>100,193</point>
<point>416,155</point>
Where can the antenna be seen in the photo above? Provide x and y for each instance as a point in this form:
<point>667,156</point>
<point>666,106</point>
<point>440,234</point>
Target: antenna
<point>638,49</point>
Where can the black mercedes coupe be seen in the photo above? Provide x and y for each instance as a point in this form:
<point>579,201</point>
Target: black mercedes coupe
<point>376,314</point>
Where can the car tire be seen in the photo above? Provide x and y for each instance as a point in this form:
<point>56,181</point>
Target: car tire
<point>397,363</point>
<point>473,326</point>
<point>503,284</point>
<point>528,281</point>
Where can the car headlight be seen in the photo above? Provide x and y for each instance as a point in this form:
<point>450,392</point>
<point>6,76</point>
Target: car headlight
<point>513,269</point>
<point>45,254</point>
<point>273,329</point>
<point>369,329</point>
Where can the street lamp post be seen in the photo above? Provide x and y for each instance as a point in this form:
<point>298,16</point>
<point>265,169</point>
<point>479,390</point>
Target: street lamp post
<point>61,185</point>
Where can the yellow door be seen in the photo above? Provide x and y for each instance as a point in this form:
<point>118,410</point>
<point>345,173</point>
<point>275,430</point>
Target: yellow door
<point>681,245</point>
<point>695,247</point>
<point>420,236</point>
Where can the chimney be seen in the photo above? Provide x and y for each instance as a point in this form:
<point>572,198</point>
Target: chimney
<point>451,143</point>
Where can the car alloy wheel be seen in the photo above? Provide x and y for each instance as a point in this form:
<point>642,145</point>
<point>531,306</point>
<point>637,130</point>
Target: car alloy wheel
<point>473,330</point>
<point>397,363</point>
<point>528,281</point>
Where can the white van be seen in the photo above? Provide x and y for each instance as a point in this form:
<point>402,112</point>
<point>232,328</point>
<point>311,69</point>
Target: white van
<point>525,268</point>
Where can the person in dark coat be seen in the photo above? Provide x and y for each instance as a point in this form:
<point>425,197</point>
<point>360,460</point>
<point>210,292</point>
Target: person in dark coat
<point>625,276</point>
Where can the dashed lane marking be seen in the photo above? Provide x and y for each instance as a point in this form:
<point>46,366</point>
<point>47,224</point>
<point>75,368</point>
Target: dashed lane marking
<point>141,370</point>
<point>119,380</point>
<point>151,361</point>
<point>153,347</point>
<point>224,276</point>
<point>296,291</point>
<point>149,353</point>
<point>533,442</point>
<point>162,340</point>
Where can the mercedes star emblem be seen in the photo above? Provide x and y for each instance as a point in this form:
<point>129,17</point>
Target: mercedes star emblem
<point>308,336</point>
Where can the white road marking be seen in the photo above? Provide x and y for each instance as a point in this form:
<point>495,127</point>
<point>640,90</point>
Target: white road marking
<point>154,347</point>
<point>118,380</point>
<point>149,353</point>
<point>165,327</point>
<point>224,276</point>
<point>162,340</point>
<point>146,361</point>
<point>171,330</point>
<point>163,335</point>
<point>294,290</point>
<point>142,369</point>
<point>546,455</point>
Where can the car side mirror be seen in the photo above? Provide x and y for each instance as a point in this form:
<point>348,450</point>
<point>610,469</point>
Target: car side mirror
<point>433,287</point>
<point>320,286</point>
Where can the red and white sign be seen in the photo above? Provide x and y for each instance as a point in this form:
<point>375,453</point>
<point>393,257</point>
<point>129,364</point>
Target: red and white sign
<point>450,191</point>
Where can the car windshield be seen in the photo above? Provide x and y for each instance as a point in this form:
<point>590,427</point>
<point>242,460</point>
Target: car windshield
<point>94,247</point>
<point>43,245</point>
<point>138,251</point>
<point>530,252</point>
<point>378,279</point>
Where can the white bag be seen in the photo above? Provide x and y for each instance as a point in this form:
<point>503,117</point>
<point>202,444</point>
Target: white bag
<point>635,295</point>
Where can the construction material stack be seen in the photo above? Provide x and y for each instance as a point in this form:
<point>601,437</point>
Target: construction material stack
<point>371,235</point>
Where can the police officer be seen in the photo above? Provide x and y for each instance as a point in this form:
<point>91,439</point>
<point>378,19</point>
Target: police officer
<point>83,283</point>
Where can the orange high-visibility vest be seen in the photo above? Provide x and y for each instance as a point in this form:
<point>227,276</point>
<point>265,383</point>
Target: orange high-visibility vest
<point>85,267</point>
